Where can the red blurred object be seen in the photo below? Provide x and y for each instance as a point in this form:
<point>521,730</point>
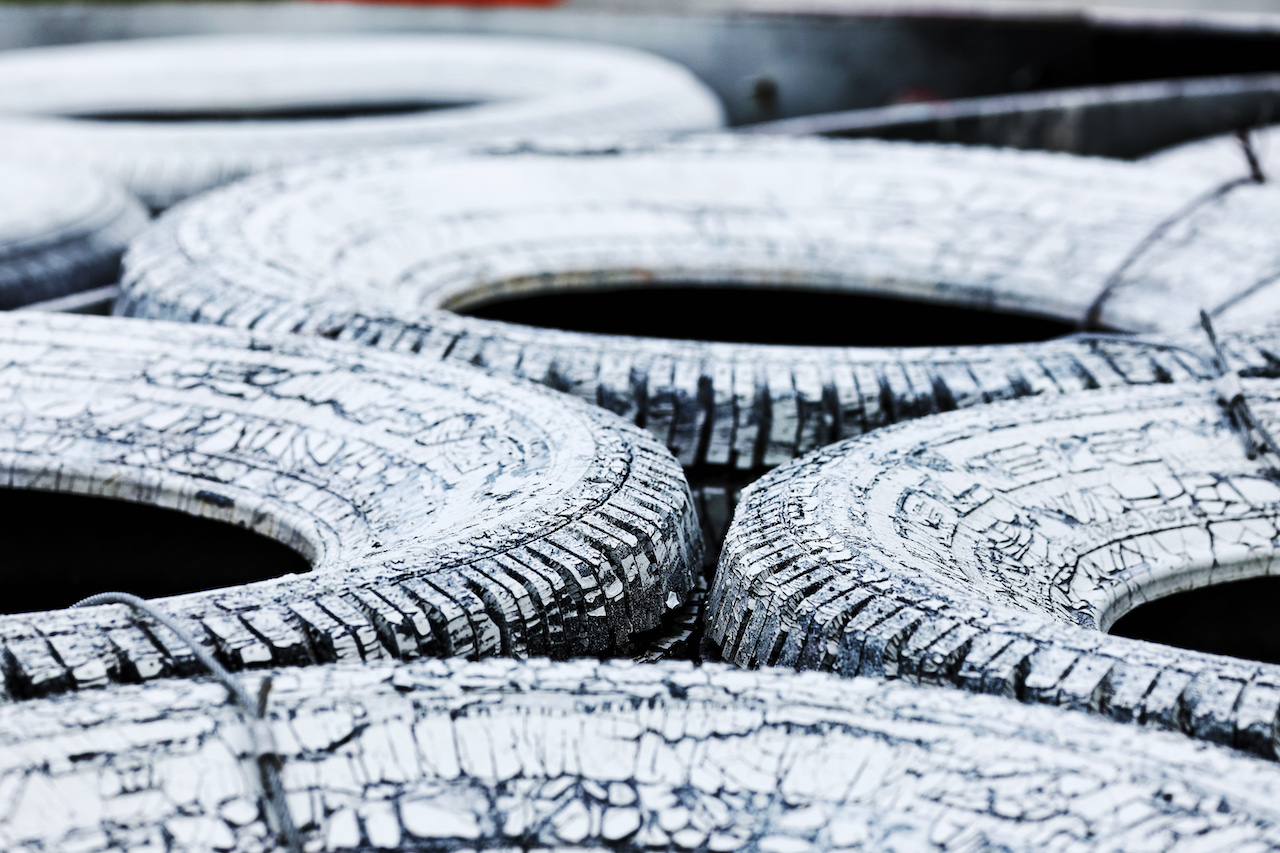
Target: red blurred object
<point>917,95</point>
<point>486,3</point>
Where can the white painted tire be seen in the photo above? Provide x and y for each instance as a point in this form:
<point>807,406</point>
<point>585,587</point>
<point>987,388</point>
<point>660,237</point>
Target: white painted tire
<point>990,549</point>
<point>378,249</point>
<point>61,232</point>
<point>444,510</point>
<point>512,87</point>
<point>512,756</point>
<point>1223,158</point>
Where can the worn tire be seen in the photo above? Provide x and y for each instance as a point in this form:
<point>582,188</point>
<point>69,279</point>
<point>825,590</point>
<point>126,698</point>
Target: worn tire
<point>990,549</point>
<point>509,87</point>
<point>513,756</point>
<point>444,511</point>
<point>1123,120</point>
<point>377,249</point>
<point>1223,158</point>
<point>61,232</point>
<point>360,250</point>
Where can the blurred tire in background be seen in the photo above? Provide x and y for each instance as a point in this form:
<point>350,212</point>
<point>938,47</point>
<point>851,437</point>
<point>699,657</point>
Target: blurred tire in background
<point>172,117</point>
<point>62,232</point>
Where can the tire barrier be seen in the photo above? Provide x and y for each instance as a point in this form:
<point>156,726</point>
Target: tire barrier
<point>443,510</point>
<point>991,549</point>
<point>381,250</point>
<point>503,755</point>
<point>1125,120</point>
<point>171,117</point>
<point>60,232</point>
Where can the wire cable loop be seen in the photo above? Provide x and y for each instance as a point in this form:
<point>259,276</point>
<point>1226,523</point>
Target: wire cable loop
<point>253,712</point>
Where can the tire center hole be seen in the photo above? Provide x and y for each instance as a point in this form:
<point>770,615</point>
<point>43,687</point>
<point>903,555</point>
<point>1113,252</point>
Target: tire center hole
<point>299,112</point>
<point>760,315</point>
<point>1236,619</point>
<point>59,548</point>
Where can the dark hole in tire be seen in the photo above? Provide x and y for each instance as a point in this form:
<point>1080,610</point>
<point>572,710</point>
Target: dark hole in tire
<point>301,112</point>
<point>1236,619</point>
<point>59,548</point>
<point>739,314</point>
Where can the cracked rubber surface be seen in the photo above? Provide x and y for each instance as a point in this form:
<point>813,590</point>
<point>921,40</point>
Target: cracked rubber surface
<point>444,511</point>
<point>171,117</point>
<point>378,249</point>
<point>990,549</point>
<point>61,232</point>
<point>498,755</point>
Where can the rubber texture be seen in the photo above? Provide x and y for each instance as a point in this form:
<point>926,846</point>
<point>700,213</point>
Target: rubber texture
<point>172,117</point>
<point>378,250</point>
<point>1223,157</point>
<point>990,549</point>
<point>603,756</point>
<point>443,510</point>
<point>61,232</point>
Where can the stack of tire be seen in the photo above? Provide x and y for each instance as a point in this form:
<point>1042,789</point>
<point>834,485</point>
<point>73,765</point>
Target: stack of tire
<point>911,482</point>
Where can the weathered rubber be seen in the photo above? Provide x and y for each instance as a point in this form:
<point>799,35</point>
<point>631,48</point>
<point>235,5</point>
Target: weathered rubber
<point>444,510</point>
<point>377,250</point>
<point>61,232</point>
<point>1222,158</point>
<point>497,755</point>
<point>680,635</point>
<point>505,87</point>
<point>990,549</point>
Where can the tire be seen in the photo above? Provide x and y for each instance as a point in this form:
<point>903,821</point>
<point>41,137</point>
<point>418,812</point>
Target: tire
<point>679,638</point>
<point>587,755</point>
<point>1124,120</point>
<point>444,511</point>
<point>1222,158</point>
<point>991,549</point>
<point>317,251</point>
<point>172,117</point>
<point>60,232</point>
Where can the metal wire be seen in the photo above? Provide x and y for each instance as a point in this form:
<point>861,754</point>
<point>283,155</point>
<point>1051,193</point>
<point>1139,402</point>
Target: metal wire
<point>1093,314</point>
<point>252,709</point>
<point>1227,386</point>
